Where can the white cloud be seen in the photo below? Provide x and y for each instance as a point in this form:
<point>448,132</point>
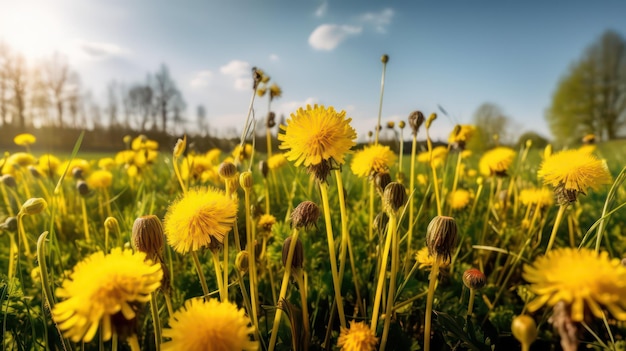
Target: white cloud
<point>241,72</point>
<point>321,10</point>
<point>201,79</point>
<point>329,36</point>
<point>274,58</point>
<point>378,20</point>
<point>99,50</point>
<point>288,107</point>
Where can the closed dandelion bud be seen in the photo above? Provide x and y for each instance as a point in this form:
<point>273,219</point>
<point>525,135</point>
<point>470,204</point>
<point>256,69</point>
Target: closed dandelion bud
<point>529,143</point>
<point>227,170</point>
<point>77,173</point>
<point>82,187</point>
<point>264,168</point>
<point>394,197</point>
<point>431,118</point>
<point>10,224</point>
<point>401,124</point>
<point>34,172</point>
<point>147,236</point>
<point>34,206</point>
<point>298,253</point>
<point>474,279</point>
<point>112,225</point>
<point>246,181</point>
<point>380,222</point>
<point>382,179</point>
<point>384,58</point>
<point>305,214</point>
<point>9,181</point>
<point>370,134</point>
<point>441,236</point>
<point>524,329</point>
<point>179,148</point>
<point>242,262</point>
<point>391,124</point>
<point>416,119</point>
<point>271,120</point>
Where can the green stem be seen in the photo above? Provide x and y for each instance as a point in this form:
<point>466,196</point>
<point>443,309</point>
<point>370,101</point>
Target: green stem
<point>382,270</point>
<point>251,259</point>
<point>85,219</point>
<point>196,262</point>
<point>411,189</point>
<point>470,304</point>
<point>380,104</point>
<point>555,228</point>
<point>156,321</point>
<point>395,262</point>
<point>344,226</point>
<point>429,303</point>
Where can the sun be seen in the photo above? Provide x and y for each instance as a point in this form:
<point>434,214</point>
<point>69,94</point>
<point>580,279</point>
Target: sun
<point>31,29</point>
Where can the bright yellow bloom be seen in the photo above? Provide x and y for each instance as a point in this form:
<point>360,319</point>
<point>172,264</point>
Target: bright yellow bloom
<point>266,222</point>
<point>106,163</point>
<point>275,91</point>
<point>425,259</point>
<point>541,197</point>
<point>239,155</point>
<point>103,289</point>
<point>459,199</point>
<point>440,153</point>
<point>125,157</point>
<point>210,325</point>
<point>77,163</point>
<point>143,143</point>
<point>358,338</point>
<point>24,139</point>
<point>16,161</point>
<point>276,161</point>
<point>574,170</point>
<point>588,148</point>
<point>496,161</point>
<point>200,218</point>
<point>48,164</point>
<point>580,278</point>
<point>100,179</point>
<point>461,134</point>
<point>317,134</point>
<point>372,159</point>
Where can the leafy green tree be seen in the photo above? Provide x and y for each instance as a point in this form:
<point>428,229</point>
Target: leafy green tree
<point>492,127</point>
<point>591,97</point>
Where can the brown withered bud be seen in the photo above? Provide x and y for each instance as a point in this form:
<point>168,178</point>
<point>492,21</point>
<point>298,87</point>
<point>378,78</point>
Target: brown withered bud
<point>271,120</point>
<point>147,236</point>
<point>10,224</point>
<point>380,223</point>
<point>416,119</point>
<point>474,279</point>
<point>82,188</point>
<point>305,215</point>
<point>264,168</point>
<point>394,197</point>
<point>401,124</point>
<point>441,237</point>
<point>384,58</point>
<point>34,172</point>
<point>381,180</point>
<point>77,173</point>
<point>565,196</point>
<point>320,171</point>
<point>227,170</point>
<point>391,124</point>
<point>257,76</point>
<point>8,180</point>
<point>297,260</point>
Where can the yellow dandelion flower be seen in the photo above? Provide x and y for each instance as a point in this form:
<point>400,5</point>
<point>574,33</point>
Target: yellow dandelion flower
<point>459,199</point>
<point>542,197</point>
<point>275,91</point>
<point>425,259</point>
<point>574,170</point>
<point>372,159</point>
<point>48,164</point>
<point>260,91</point>
<point>589,148</point>
<point>102,290</point>
<point>242,153</point>
<point>210,325</point>
<point>461,134</point>
<point>317,134</point>
<point>589,139</point>
<point>21,159</point>
<point>213,155</point>
<point>77,163</point>
<point>440,153</point>
<point>266,222</point>
<point>496,161</point>
<point>200,218</point>
<point>580,278</point>
<point>24,139</point>
<point>125,157</point>
<point>358,338</point>
<point>422,179</point>
<point>100,179</point>
<point>106,163</point>
<point>276,161</point>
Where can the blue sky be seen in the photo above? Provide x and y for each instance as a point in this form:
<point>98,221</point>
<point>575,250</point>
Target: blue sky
<point>457,54</point>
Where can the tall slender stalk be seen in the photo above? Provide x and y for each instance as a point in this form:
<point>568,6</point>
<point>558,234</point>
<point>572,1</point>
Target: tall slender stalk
<point>382,272</point>
<point>409,240</point>
<point>395,262</point>
<point>434,273</point>
<point>555,228</point>
<point>384,60</point>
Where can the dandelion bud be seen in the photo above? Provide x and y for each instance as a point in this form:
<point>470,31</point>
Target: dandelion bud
<point>474,279</point>
<point>529,143</point>
<point>82,187</point>
<point>77,173</point>
<point>242,262</point>
<point>264,168</point>
<point>401,124</point>
<point>33,171</point>
<point>384,58</point>
<point>179,148</point>
<point>34,206</point>
<point>441,236</point>
<point>227,170</point>
<point>9,181</point>
<point>394,197</point>
<point>589,139</point>
<point>246,181</point>
<point>370,134</point>
<point>147,236</point>
<point>298,253</point>
<point>10,224</point>
<point>565,196</point>
<point>271,119</point>
<point>391,124</point>
<point>382,179</point>
<point>431,118</point>
<point>380,223</point>
<point>416,119</point>
<point>305,214</point>
<point>127,139</point>
<point>524,329</point>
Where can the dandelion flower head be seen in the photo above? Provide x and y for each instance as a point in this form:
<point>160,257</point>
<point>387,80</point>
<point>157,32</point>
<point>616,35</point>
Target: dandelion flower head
<point>579,278</point>
<point>358,338</point>
<point>542,197</point>
<point>574,170</point>
<point>24,139</point>
<point>242,153</point>
<point>276,161</point>
<point>317,134</point>
<point>459,199</point>
<point>100,179</point>
<point>460,135</point>
<point>496,161</point>
<point>425,259</point>
<point>372,159</point>
<point>101,287</point>
<point>439,155</point>
<point>266,222</point>
<point>200,218</point>
<point>210,325</point>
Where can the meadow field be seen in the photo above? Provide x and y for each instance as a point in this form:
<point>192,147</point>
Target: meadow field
<point>320,244</point>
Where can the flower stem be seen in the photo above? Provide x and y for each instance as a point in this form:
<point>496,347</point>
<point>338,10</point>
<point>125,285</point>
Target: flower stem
<point>85,219</point>
<point>395,262</point>
<point>331,252</point>
<point>411,199</point>
<point>251,259</point>
<point>470,304</point>
<point>205,288</point>
<point>156,321</point>
<point>382,270</point>
<point>555,228</point>
<point>434,273</point>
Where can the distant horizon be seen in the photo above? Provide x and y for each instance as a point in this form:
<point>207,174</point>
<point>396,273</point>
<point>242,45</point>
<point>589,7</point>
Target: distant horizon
<point>457,55</point>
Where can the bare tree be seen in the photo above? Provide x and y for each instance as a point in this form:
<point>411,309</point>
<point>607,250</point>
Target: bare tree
<point>17,79</point>
<point>61,83</point>
<point>112,108</point>
<point>140,102</point>
<point>4,82</point>
<point>203,126</point>
<point>166,94</point>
